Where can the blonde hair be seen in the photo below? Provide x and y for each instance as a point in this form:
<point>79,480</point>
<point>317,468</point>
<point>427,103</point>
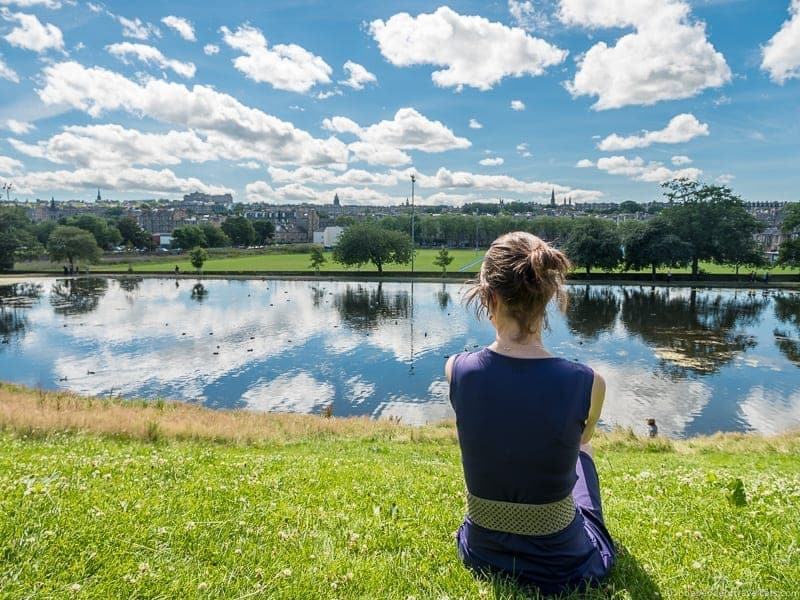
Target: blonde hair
<point>526,273</point>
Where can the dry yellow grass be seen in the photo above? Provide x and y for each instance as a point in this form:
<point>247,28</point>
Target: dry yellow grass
<point>38,412</point>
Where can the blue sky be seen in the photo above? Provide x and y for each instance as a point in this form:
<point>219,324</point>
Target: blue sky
<point>154,99</point>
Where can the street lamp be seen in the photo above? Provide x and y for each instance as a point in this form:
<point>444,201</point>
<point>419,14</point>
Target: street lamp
<point>7,189</point>
<point>413,180</point>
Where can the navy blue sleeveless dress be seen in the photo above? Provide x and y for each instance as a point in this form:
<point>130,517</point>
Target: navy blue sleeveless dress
<point>519,426</point>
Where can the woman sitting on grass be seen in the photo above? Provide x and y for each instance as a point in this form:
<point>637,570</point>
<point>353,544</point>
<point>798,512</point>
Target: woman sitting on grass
<point>524,420</point>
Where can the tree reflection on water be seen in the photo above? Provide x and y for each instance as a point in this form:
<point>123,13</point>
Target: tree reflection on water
<point>695,335</point>
<point>787,311</point>
<point>364,309</point>
<point>14,301</point>
<point>443,297</point>
<point>591,311</point>
<point>77,296</point>
<point>199,292</point>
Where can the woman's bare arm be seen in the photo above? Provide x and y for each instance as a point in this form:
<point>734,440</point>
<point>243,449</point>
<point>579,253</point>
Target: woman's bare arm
<point>595,408</point>
<point>448,367</point>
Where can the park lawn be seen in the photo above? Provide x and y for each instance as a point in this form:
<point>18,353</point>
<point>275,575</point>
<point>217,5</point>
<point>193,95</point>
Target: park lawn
<point>176,501</point>
<point>276,262</point>
<point>295,262</point>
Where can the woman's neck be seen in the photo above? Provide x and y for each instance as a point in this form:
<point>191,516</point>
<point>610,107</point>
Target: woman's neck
<point>528,347</point>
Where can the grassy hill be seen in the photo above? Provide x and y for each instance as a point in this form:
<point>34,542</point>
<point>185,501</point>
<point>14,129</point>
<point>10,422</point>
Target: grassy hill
<point>103,499</point>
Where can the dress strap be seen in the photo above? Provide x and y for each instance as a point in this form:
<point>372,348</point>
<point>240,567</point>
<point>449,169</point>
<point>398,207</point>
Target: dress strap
<point>519,518</point>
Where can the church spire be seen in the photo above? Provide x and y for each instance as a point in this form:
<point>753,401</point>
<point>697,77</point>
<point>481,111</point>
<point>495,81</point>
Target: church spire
<point>553,197</point>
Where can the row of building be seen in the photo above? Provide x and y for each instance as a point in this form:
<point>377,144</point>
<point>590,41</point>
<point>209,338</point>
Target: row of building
<point>308,223</point>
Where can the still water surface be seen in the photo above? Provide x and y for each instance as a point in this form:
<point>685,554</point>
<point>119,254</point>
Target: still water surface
<point>698,361</point>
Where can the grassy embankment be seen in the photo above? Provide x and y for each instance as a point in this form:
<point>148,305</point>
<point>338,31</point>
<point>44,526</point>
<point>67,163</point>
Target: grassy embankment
<point>249,261</point>
<point>103,499</point>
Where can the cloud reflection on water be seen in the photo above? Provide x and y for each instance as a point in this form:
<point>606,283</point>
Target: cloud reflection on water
<point>692,360</point>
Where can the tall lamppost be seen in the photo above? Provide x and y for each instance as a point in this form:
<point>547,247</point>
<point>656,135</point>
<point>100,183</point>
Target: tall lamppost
<point>7,189</point>
<point>413,247</point>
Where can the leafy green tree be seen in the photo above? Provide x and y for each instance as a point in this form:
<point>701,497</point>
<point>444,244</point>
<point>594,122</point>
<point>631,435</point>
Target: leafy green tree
<point>72,243</point>
<point>653,244</point>
<point>265,231</point>
<point>106,235</point>
<point>712,219</point>
<point>791,218</point>
<point>188,236</point>
<point>133,234</point>
<point>368,242</point>
<point>17,237</point>
<point>214,236</point>
<point>789,251</point>
<point>443,259</point>
<point>629,206</point>
<point>43,230</point>
<point>594,243</point>
<point>317,258</point>
<point>198,256</point>
<point>239,230</point>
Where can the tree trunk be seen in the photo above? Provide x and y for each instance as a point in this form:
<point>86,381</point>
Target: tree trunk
<point>654,271</point>
<point>380,267</point>
<point>695,267</point>
<point>588,270</point>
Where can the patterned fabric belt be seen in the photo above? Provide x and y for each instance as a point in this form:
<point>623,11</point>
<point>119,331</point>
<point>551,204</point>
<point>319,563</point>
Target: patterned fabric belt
<point>519,518</point>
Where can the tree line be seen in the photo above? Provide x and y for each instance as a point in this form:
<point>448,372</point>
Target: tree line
<point>702,223</point>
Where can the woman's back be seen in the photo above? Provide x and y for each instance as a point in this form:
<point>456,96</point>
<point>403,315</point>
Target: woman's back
<point>519,423</point>
<point>533,495</point>
<point>517,415</point>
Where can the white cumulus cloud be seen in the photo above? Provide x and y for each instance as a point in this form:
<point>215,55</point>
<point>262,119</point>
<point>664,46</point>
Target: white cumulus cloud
<point>517,105</point>
<point>151,55</point>
<point>472,50</point>
<point>9,166</point>
<point>7,72</point>
<point>780,57</point>
<point>492,162</point>
<point>284,66</point>
<point>528,16</point>
<point>358,76</point>
<point>136,28</point>
<point>475,124</point>
<point>584,163</point>
<point>638,170</point>
<point>210,49</point>
<point>182,26</point>
<point>140,180</point>
<point>52,4</point>
<point>681,128</point>
<point>31,34</point>
<point>681,160</point>
<point>667,57</point>
<point>239,132</point>
<point>19,127</point>
<point>408,130</point>
<point>114,146</point>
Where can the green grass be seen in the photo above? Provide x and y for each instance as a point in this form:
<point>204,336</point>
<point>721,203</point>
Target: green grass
<point>294,261</point>
<point>107,517</point>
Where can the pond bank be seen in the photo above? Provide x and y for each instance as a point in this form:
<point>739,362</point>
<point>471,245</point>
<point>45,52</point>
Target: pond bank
<point>110,499</point>
<point>719,281</point>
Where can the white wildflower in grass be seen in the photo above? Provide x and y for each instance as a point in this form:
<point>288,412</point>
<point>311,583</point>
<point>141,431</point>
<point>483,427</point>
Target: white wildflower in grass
<point>286,573</point>
<point>202,586</point>
<point>75,588</point>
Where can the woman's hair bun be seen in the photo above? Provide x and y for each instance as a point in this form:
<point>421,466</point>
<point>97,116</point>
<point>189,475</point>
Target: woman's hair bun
<point>525,272</point>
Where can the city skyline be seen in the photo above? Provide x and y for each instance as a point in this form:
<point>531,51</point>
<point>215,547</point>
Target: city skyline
<point>298,102</point>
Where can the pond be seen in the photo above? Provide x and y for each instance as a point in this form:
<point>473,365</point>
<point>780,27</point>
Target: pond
<point>697,360</point>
